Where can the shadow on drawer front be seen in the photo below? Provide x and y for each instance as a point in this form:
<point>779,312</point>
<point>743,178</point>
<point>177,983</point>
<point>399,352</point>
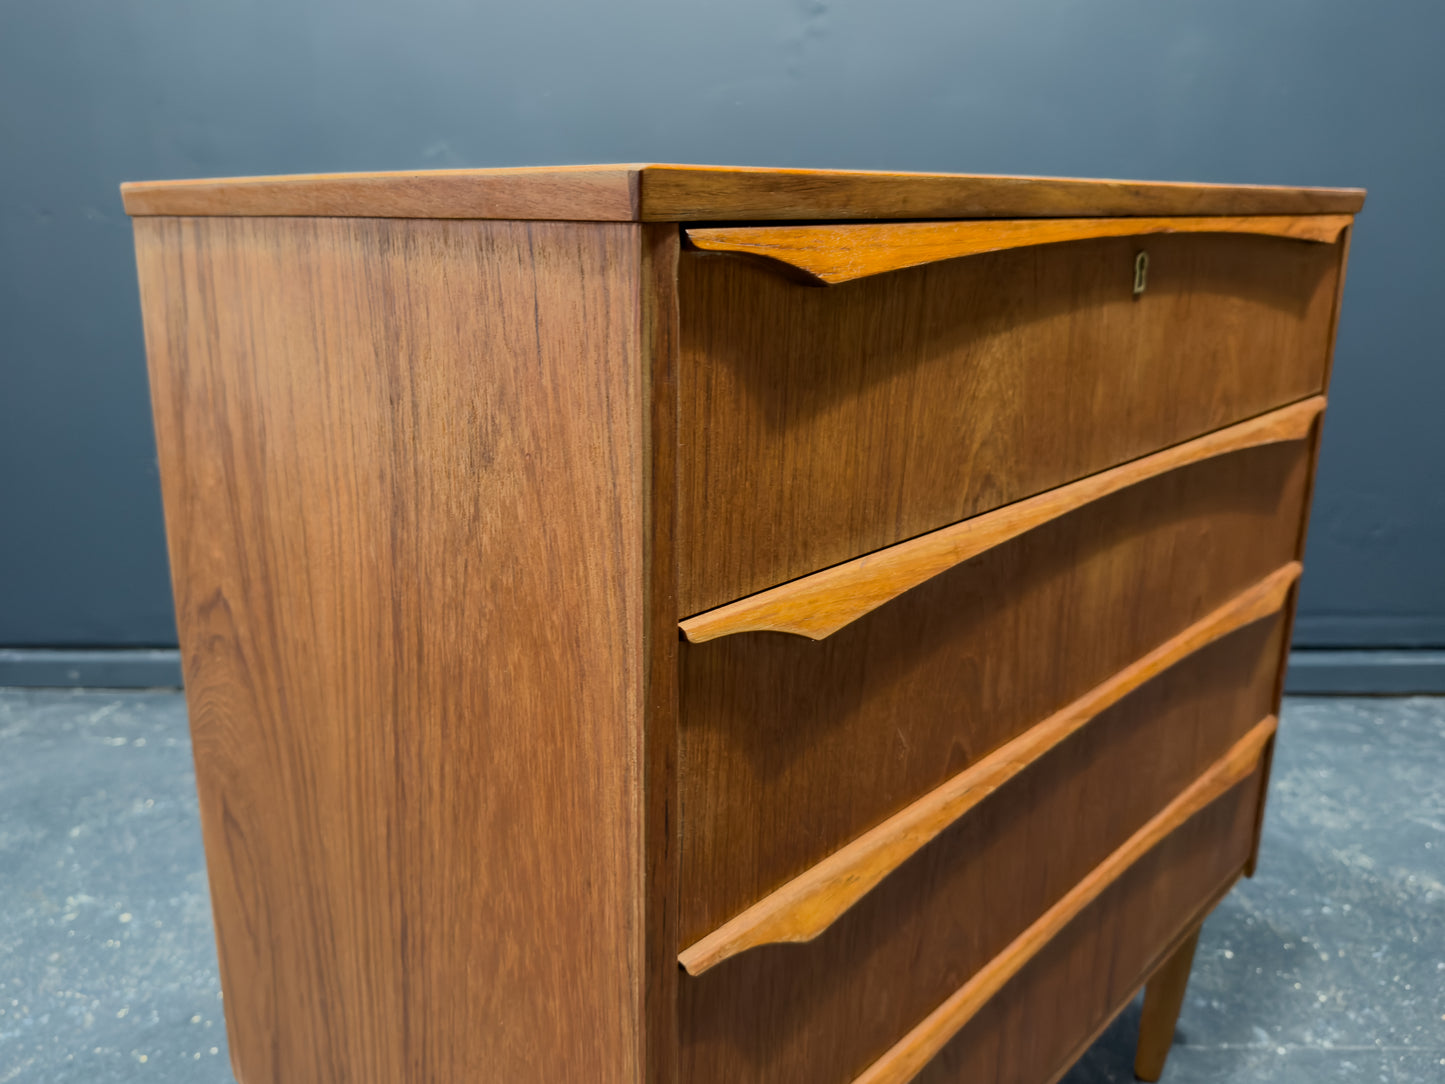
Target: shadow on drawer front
<point>826,1010</point>
<point>791,748</point>
<point>819,424</point>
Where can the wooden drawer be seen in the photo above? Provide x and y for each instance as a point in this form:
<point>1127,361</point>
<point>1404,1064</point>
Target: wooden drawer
<point>985,899</point>
<point>819,424</point>
<point>1091,970</point>
<point>790,748</point>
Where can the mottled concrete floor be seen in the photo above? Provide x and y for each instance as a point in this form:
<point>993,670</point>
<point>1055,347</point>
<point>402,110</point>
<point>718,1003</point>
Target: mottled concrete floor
<point>1328,966</point>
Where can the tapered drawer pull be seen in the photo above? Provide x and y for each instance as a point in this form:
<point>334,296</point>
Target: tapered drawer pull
<point>819,605</point>
<point>911,1053</point>
<point>828,255</point>
<point>811,902</point>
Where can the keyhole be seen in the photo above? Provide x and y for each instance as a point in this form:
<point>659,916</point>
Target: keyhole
<point>1141,273</point>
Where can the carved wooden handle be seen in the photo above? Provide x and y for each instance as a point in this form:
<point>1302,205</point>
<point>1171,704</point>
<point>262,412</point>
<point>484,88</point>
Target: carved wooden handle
<point>807,905</point>
<point>819,605</point>
<point>911,1053</point>
<point>827,255</point>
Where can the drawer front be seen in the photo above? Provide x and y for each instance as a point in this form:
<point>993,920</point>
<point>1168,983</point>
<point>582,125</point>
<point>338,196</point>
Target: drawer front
<point>791,748</point>
<point>817,424</point>
<point>1089,972</point>
<point>828,1010</point>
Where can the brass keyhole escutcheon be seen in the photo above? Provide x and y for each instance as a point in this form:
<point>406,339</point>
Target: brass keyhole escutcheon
<point>1141,273</point>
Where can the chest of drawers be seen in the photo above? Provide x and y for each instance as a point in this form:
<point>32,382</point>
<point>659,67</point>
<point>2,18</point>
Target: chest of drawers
<point>653,623</point>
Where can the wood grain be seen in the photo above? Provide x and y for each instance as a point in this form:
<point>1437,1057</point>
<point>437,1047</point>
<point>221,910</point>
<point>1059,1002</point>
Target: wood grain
<point>819,425</point>
<point>774,728</point>
<point>416,689</point>
<point>578,193</point>
<point>657,336</point>
<point>1100,1025</point>
<point>825,1010</point>
<point>1163,998</point>
<point>826,255</point>
<point>721,193</point>
<point>668,193</point>
<point>808,904</point>
<point>442,476</point>
<point>903,1062</point>
<point>1065,980</point>
<point>819,605</point>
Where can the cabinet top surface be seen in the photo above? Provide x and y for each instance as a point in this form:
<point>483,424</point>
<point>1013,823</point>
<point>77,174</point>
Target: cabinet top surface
<point>680,193</point>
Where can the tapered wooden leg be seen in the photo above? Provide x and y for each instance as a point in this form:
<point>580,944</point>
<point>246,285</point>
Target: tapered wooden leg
<point>1163,997</point>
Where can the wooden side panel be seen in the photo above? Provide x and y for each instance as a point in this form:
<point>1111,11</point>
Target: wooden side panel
<point>791,747</point>
<point>827,1010</point>
<point>817,425</point>
<point>404,488</point>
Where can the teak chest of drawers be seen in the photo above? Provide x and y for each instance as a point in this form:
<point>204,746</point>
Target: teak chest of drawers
<point>657,623</point>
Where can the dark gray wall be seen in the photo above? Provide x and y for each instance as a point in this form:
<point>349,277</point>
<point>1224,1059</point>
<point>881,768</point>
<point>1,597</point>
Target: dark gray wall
<point>93,92</point>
